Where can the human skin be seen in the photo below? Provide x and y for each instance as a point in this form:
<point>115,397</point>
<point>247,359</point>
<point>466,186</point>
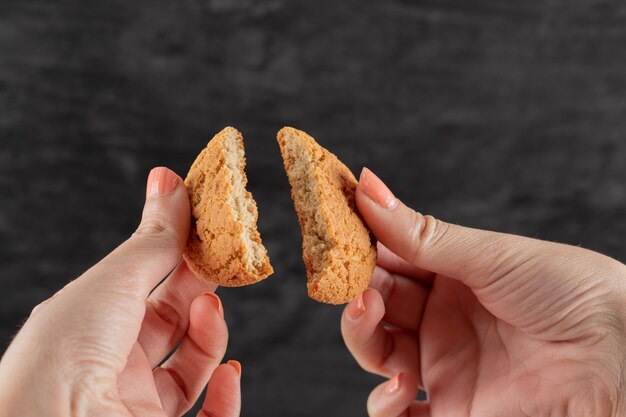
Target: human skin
<point>489,324</point>
<point>96,347</point>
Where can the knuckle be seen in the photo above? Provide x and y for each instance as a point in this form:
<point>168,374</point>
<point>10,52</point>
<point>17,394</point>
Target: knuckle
<point>37,309</point>
<point>379,364</point>
<point>389,348</point>
<point>94,393</point>
<point>386,286</point>
<point>184,400</point>
<point>610,293</point>
<point>424,232</point>
<point>164,309</point>
<point>157,227</point>
<point>42,305</point>
<point>212,350</point>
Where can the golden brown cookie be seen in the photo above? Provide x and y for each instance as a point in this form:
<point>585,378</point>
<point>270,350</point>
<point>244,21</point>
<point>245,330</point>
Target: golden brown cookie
<point>337,247</point>
<point>224,244</point>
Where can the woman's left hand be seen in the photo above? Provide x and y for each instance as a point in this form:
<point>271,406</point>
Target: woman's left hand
<point>96,348</point>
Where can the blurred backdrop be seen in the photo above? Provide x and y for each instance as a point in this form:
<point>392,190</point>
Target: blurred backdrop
<point>498,114</point>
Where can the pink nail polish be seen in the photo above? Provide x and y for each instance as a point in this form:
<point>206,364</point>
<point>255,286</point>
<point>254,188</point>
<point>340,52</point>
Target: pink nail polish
<point>235,364</point>
<point>217,303</point>
<point>161,181</point>
<point>356,308</point>
<point>393,385</point>
<point>376,190</point>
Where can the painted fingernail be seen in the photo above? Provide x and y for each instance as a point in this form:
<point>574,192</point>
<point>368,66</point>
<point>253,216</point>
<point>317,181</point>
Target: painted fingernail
<point>376,190</point>
<point>217,303</point>
<point>393,385</point>
<point>235,364</point>
<point>161,181</point>
<point>356,308</point>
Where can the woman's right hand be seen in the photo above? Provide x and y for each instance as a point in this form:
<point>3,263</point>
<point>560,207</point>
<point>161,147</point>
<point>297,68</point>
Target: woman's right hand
<point>489,324</point>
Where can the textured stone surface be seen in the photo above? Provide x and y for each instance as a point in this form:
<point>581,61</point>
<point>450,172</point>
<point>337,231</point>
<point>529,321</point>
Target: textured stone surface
<point>500,114</point>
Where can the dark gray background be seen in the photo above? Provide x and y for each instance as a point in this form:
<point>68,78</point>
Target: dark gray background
<point>500,114</point>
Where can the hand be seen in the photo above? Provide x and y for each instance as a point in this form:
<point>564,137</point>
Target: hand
<point>489,324</point>
<point>95,348</point>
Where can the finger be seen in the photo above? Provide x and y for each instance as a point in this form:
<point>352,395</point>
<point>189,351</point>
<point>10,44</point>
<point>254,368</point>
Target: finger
<point>377,349</point>
<point>223,396</point>
<point>155,249</point>
<point>141,399</point>
<point>404,299</point>
<point>167,312</point>
<point>396,265</point>
<point>181,378</point>
<point>394,397</point>
<point>531,284</point>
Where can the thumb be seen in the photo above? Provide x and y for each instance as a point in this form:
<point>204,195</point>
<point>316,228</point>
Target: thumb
<point>156,247</point>
<point>526,282</point>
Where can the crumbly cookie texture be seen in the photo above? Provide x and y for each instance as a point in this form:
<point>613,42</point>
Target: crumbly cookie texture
<point>224,244</point>
<point>337,248</point>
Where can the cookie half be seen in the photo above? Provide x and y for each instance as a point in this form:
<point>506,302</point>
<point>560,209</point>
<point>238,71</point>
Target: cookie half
<point>224,244</point>
<point>337,248</point>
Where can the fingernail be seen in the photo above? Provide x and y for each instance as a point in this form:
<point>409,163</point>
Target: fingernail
<point>356,307</point>
<point>161,181</point>
<point>217,303</point>
<point>235,364</point>
<point>376,190</point>
<point>393,385</point>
